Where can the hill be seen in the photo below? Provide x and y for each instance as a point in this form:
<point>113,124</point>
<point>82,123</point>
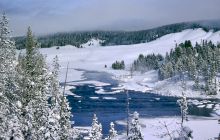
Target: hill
<point>118,37</point>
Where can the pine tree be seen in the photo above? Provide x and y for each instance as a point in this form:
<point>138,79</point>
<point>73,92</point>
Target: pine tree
<point>59,118</point>
<point>96,130</point>
<point>185,132</point>
<point>112,132</point>
<point>65,122</point>
<point>53,130</point>
<point>33,83</point>
<point>183,107</point>
<point>135,129</point>
<point>169,70</point>
<point>10,125</point>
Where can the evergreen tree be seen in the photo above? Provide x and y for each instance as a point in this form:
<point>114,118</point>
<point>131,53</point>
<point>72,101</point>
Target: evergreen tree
<point>135,129</point>
<point>10,125</point>
<point>60,111</point>
<point>54,128</point>
<point>112,132</point>
<point>184,108</point>
<point>96,130</point>
<point>65,123</point>
<point>33,84</point>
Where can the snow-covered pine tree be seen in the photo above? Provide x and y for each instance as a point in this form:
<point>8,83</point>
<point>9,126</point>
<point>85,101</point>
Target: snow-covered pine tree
<point>59,118</point>
<point>185,132</point>
<point>112,132</point>
<point>135,128</point>
<point>169,70</point>
<point>96,130</point>
<point>53,130</point>
<point>191,67</point>
<point>183,107</point>
<point>33,84</point>
<point>10,125</point>
<point>65,115</point>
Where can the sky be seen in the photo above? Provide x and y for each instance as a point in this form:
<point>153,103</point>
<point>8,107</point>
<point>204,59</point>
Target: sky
<point>50,16</point>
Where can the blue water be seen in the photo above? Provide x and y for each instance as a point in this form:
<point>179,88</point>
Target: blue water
<point>111,110</point>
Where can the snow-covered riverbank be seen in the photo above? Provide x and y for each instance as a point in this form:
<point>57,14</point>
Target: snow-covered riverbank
<point>95,58</point>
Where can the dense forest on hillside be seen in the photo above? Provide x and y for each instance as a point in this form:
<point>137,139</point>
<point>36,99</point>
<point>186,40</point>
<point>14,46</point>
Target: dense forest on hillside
<point>111,37</point>
<point>199,63</point>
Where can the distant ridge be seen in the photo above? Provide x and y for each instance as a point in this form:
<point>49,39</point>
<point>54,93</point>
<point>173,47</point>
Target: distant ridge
<point>118,37</point>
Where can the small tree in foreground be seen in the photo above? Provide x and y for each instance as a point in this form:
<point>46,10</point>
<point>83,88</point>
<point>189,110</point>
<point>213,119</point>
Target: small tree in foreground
<point>183,107</point>
<point>96,130</point>
<point>185,132</point>
<point>135,129</point>
<point>112,132</point>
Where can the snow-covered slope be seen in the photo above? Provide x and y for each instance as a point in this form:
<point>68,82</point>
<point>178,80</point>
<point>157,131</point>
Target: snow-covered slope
<point>93,42</point>
<point>96,57</point>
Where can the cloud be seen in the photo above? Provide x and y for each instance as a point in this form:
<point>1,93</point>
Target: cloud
<point>48,16</point>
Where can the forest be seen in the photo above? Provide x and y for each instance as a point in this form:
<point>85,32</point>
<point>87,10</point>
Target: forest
<point>111,37</point>
<point>199,63</point>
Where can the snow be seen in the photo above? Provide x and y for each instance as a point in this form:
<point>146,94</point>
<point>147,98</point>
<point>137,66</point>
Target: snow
<point>203,127</point>
<point>94,98</point>
<point>95,57</point>
<point>95,83</point>
<point>109,98</point>
<point>217,112</point>
<point>102,91</point>
<point>201,106</point>
<point>92,43</point>
<point>77,96</point>
<point>209,105</point>
<point>195,102</point>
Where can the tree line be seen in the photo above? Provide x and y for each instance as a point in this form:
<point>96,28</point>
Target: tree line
<point>110,37</point>
<point>199,63</point>
<point>117,65</point>
<point>149,62</point>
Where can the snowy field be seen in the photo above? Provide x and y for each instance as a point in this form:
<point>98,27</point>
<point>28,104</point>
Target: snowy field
<point>154,129</point>
<point>203,128</point>
<point>95,57</point>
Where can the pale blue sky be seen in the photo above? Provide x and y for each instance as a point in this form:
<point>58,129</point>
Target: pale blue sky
<point>48,16</point>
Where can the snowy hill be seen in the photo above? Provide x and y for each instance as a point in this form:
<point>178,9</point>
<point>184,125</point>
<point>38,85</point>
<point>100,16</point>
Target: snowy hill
<point>96,57</point>
<point>92,43</point>
<point>117,37</point>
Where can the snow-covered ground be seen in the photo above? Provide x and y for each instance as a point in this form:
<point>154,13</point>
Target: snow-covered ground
<point>203,128</point>
<point>94,57</point>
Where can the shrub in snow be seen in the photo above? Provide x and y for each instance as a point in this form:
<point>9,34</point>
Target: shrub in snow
<point>118,65</point>
<point>185,134</point>
<point>96,130</point>
<point>112,132</point>
<point>183,107</point>
<point>135,128</point>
